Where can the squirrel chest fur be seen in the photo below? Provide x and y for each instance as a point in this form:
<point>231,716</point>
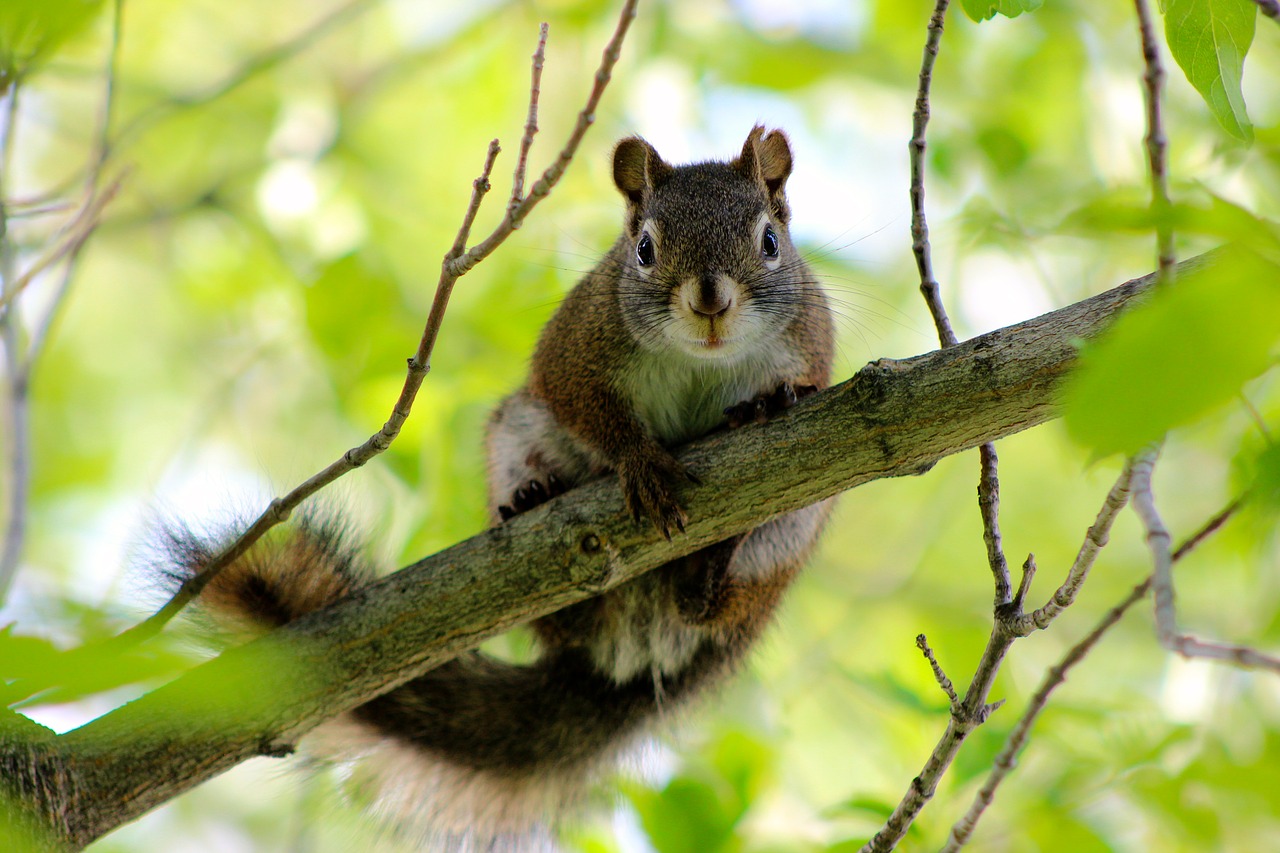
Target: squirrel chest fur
<point>702,314</point>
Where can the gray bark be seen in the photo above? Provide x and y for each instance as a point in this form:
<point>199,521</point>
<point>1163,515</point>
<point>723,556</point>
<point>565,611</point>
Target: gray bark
<point>891,418</point>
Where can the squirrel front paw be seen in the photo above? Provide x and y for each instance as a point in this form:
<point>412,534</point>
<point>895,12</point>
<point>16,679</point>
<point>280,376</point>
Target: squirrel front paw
<point>648,487</point>
<point>760,409</point>
<point>531,494</point>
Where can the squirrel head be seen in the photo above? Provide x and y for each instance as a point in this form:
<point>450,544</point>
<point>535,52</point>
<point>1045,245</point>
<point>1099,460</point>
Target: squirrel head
<point>706,261</point>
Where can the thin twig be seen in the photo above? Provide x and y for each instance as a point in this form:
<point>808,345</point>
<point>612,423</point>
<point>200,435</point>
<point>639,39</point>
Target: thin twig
<point>1024,584</point>
<point>281,508</point>
<point>531,123</point>
<point>989,484</point>
<point>43,328</point>
<point>16,436</point>
<point>1143,495</point>
<point>973,710</point>
<point>1162,582</point>
<point>23,366</point>
<point>455,264</point>
<point>917,146</point>
<point>1006,761</point>
<point>989,507</point>
<point>939,675</point>
<point>1157,144</point>
<point>1094,541</point>
<point>71,240</point>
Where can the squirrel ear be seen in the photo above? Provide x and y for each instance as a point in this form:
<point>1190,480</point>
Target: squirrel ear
<point>637,168</point>
<point>767,158</point>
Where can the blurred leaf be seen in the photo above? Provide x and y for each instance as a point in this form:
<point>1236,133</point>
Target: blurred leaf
<point>1209,40</point>
<point>1169,361</point>
<point>892,689</point>
<point>700,809</point>
<point>982,10</point>
<point>687,816</point>
<point>31,665</point>
<point>1262,479</point>
<point>859,805</point>
<point>1213,217</point>
<point>32,30</point>
<point>744,761</point>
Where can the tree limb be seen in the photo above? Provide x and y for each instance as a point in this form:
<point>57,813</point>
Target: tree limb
<point>892,418</point>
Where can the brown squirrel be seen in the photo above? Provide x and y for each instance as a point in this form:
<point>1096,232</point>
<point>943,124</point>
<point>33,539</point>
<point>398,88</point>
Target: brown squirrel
<point>702,313</point>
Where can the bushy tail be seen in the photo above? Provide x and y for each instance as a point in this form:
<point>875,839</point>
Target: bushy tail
<point>473,752</point>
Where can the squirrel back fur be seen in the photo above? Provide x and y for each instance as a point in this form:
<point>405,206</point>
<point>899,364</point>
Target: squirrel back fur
<point>702,309</point>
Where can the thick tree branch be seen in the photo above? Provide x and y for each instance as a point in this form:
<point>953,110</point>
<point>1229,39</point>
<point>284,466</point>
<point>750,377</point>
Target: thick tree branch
<point>892,418</point>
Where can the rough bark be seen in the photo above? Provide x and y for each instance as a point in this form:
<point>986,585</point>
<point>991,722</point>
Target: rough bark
<point>891,418</point>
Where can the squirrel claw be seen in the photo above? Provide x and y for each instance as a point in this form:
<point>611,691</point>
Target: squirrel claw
<point>531,494</point>
<point>760,409</point>
<point>647,489</point>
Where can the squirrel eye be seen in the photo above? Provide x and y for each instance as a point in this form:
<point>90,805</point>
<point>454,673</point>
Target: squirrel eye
<point>769,243</point>
<point>644,250</point>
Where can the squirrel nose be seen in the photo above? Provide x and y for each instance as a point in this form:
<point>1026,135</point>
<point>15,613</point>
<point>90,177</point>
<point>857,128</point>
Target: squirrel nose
<point>709,299</point>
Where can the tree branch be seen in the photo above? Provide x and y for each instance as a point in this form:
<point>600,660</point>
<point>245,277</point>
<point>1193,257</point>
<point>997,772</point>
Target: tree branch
<point>892,418</point>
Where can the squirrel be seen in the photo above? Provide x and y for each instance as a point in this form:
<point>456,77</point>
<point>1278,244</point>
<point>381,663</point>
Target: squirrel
<point>701,315</point>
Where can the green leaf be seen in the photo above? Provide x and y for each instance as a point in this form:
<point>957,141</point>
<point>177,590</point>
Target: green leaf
<point>687,816</point>
<point>33,666</point>
<point>1169,361</point>
<point>982,10</point>
<point>31,30</point>
<point>1209,40</point>
<point>1211,217</point>
<point>1264,490</point>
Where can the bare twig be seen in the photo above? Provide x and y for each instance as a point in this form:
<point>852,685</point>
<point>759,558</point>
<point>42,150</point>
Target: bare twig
<point>989,484</point>
<point>68,245</point>
<point>1143,464</point>
<point>973,710</point>
<point>22,366</point>
<point>989,506</point>
<point>531,123</point>
<point>1157,143</point>
<point>455,264</point>
<point>1005,762</point>
<point>1094,541</point>
<point>16,436</point>
<point>919,225</point>
<point>945,683</point>
<point>1162,582</point>
<point>1024,584</point>
<point>281,508</point>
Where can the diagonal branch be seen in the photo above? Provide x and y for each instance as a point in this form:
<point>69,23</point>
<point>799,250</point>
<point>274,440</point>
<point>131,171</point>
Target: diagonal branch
<point>891,419</point>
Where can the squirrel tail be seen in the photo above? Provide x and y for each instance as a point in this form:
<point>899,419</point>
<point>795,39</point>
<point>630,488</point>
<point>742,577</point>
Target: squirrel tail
<point>476,754</point>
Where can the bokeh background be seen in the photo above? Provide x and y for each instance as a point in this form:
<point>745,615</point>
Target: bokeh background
<point>293,173</point>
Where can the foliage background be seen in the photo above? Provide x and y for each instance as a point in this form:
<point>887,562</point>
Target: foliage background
<point>243,314</point>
